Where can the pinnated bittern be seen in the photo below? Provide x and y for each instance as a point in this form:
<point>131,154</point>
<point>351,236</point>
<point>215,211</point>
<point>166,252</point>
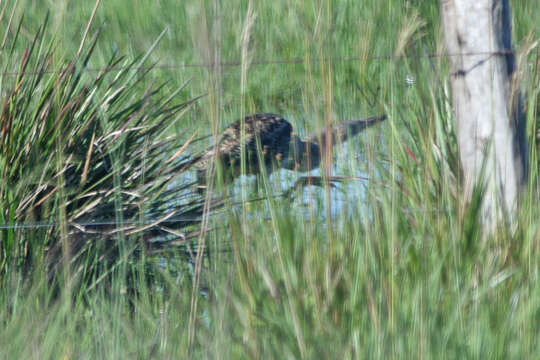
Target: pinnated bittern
<point>279,146</point>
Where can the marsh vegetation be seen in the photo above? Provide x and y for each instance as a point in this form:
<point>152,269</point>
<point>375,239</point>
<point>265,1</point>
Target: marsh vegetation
<point>107,250</point>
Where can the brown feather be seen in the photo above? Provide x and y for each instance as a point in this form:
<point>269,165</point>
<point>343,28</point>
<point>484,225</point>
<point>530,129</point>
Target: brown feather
<point>273,132</point>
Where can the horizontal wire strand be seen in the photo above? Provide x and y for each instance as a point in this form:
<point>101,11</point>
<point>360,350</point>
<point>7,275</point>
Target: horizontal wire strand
<point>236,63</point>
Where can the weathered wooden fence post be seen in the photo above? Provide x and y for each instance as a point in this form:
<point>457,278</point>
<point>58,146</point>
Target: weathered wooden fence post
<point>486,103</point>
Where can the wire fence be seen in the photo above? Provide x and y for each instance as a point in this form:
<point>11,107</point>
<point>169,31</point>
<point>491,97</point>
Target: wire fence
<point>38,225</point>
<point>291,61</point>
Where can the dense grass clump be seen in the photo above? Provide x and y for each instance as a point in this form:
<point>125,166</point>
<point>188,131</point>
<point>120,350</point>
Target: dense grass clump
<point>123,259</point>
<point>89,167</point>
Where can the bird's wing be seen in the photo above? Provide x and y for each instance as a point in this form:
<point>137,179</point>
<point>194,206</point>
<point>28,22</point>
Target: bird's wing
<point>274,135</point>
<point>273,131</point>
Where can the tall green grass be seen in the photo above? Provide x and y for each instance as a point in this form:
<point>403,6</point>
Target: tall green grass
<point>89,166</point>
<point>401,271</point>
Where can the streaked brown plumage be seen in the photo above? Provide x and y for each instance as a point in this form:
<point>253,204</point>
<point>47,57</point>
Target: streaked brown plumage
<point>273,132</point>
<point>280,148</point>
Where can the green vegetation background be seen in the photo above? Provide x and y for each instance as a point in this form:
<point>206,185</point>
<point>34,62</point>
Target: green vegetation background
<point>401,272</point>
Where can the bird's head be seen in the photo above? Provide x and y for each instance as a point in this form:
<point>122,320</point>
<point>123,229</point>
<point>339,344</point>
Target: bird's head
<point>303,155</point>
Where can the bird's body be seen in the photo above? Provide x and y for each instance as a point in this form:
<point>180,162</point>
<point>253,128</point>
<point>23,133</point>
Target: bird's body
<point>279,147</point>
<point>271,130</point>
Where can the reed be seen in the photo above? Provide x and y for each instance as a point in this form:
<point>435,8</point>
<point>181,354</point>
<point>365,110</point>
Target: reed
<point>394,266</point>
